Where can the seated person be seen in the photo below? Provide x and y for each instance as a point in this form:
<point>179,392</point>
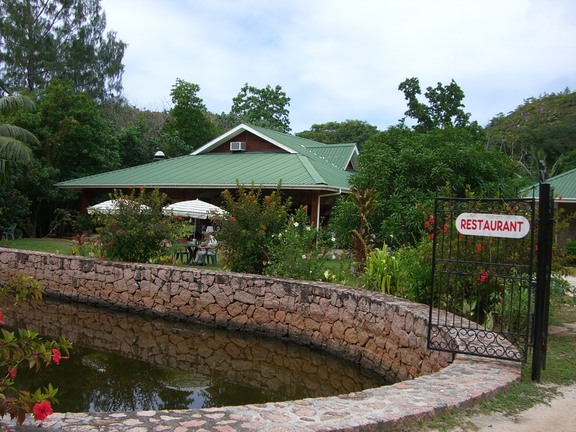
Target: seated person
<point>205,248</point>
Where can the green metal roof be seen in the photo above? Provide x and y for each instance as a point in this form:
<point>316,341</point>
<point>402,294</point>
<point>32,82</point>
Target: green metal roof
<point>304,164</point>
<point>563,186</point>
<point>222,170</point>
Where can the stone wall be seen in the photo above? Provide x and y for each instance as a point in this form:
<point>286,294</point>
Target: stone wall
<point>382,333</point>
<point>374,329</point>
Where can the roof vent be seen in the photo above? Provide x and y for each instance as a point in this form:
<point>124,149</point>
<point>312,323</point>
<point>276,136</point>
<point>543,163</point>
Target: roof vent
<point>237,146</point>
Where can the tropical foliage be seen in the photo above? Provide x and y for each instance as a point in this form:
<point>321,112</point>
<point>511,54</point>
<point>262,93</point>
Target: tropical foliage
<point>14,140</point>
<point>24,349</point>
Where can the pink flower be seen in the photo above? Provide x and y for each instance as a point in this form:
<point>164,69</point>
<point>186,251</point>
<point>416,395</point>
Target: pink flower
<point>233,219</point>
<point>12,373</point>
<point>1,318</point>
<point>264,227</point>
<point>42,410</point>
<point>56,356</point>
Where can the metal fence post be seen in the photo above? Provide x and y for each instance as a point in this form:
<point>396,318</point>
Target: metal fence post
<point>543,272</point>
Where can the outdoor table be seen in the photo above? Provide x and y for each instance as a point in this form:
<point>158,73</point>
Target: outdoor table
<point>187,248</point>
<point>191,247</point>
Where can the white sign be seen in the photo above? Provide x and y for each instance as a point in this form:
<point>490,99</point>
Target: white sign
<point>492,225</point>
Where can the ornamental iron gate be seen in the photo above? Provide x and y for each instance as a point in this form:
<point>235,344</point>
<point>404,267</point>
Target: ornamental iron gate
<point>483,276</point>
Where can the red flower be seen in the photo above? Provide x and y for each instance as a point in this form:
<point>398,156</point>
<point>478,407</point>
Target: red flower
<point>426,224</point>
<point>233,219</point>
<point>12,373</point>
<point>431,236</point>
<point>251,197</point>
<point>42,410</point>
<point>264,227</point>
<point>560,197</point>
<point>479,248</point>
<point>445,229</point>
<point>56,356</point>
<point>1,318</point>
<point>483,277</point>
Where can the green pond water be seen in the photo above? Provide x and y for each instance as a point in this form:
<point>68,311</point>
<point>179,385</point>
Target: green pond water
<point>129,361</point>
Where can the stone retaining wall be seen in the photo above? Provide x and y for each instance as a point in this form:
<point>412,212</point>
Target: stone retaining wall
<point>383,333</point>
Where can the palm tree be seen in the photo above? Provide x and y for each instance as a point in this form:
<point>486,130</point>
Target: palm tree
<point>13,139</point>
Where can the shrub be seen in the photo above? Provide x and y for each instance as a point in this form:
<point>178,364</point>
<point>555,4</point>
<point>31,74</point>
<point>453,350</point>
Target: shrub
<point>137,230</point>
<point>25,349</point>
<point>247,229</point>
<point>295,251</point>
<point>381,271</point>
<point>414,279</point>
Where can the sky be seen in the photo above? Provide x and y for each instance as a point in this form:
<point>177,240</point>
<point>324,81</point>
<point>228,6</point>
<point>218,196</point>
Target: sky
<point>341,60</point>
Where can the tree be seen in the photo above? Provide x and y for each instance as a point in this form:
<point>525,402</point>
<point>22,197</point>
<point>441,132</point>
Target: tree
<point>444,108</point>
<point>135,148</point>
<point>266,107</point>
<point>408,169</point>
<point>77,139</point>
<point>349,131</point>
<point>188,118</point>
<point>45,39</point>
<point>14,139</point>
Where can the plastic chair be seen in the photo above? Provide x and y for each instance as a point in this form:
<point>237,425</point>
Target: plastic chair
<point>8,233</point>
<point>211,256</point>
<point>179,252</point>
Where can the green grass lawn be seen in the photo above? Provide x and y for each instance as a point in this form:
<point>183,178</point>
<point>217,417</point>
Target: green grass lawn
<point>49,245</point>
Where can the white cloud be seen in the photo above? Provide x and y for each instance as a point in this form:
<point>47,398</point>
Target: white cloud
<point>341,60</point>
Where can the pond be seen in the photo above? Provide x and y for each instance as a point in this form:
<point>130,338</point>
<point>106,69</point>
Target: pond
<point>127,361</point>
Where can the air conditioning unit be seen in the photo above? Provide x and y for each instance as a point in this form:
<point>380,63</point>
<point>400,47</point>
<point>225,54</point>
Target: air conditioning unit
<point>237,146</point>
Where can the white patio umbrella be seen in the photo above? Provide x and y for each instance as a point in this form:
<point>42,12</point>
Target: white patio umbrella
<point>196,209</point>
<point>109,206</point>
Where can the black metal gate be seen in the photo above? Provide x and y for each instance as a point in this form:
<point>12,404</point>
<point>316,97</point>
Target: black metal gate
<point>483,276</point>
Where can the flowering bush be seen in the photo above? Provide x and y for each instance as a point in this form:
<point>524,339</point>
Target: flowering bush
<point>24,348</point>
<point>137,230</point>
<point>295,251</point>
<point>249,226</point>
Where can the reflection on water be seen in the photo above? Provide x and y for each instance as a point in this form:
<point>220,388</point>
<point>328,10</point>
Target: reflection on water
<point>125,362</point>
